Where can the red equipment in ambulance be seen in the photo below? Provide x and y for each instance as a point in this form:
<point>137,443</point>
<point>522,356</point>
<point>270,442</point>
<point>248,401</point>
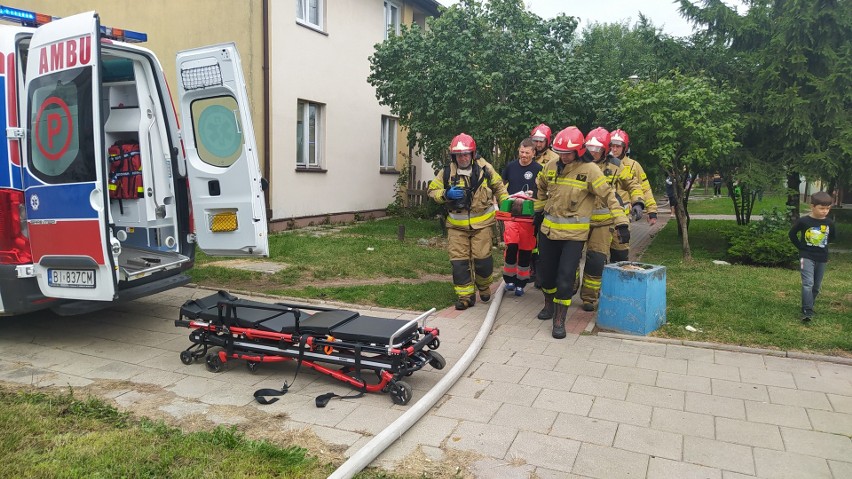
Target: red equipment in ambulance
<point>103,197</point>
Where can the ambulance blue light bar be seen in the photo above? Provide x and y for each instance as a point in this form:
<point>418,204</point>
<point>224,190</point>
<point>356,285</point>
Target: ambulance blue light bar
<point>33,19</point>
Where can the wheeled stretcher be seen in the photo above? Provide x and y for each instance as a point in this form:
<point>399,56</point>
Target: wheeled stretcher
<point>263,333</point>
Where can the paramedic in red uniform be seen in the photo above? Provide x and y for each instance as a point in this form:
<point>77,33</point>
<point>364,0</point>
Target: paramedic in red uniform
<point>520,177</point>
<point>567,193</point>
<point>468,188</point>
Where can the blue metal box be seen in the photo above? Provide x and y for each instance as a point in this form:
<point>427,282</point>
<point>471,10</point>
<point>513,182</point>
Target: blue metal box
<point>633,298</point>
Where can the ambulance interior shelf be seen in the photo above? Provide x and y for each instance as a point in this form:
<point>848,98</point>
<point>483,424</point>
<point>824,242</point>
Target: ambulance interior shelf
<point>145,227</point>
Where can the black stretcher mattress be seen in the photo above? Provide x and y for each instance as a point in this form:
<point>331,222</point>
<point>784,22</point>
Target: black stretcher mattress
<point>339,323</point>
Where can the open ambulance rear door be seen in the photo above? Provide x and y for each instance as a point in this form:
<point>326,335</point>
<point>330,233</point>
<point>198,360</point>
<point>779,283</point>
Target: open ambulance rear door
<point>222,165</point>
<point>65,185</point>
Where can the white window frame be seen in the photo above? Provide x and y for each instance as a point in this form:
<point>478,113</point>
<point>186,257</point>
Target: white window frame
<point>390,20</point>
<point>304,9</point>
<point>388,153</point>
<point>307,157</point>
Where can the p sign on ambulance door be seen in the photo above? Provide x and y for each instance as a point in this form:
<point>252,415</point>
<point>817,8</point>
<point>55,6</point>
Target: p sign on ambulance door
<point>63,172</point>
<point>224,172</point>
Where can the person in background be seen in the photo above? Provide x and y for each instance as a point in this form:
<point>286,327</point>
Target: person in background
<point>541,139</point>
<point>468,188</point>
<point>811,234</point>
<point>567,192</point>
<point>520,178</point>
<point>717,184</point>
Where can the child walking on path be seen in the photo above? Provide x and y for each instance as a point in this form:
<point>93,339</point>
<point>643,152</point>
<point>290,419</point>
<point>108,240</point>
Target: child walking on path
<point>811,235</point>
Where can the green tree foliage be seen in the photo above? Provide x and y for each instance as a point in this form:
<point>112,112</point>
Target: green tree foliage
<point>792,62</point>
<point>611,53</point>
<point>492,70</point>
<point>689,123</point>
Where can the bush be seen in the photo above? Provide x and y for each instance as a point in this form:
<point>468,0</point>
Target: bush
<point>764,242</point>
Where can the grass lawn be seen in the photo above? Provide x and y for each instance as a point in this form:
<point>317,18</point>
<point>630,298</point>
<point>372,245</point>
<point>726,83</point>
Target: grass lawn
<point>54,435</point>
<point>724,205</point>
<point>747,305</point>
<point>364,263</point>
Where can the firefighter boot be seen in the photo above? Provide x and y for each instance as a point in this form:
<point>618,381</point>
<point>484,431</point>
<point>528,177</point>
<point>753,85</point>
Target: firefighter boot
<point>547,311</point>
<point>560,311</point>
<point>465,302</point>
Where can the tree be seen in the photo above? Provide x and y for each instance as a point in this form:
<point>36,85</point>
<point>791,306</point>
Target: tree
<point>686,123</point>
<point>492,70</point>
<point>793,67</point>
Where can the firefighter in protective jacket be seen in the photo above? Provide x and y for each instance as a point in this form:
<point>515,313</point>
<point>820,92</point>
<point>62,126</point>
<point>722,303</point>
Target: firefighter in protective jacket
<point>619,144</point>
<point>600,236</point>
<point>568,189</point>
<point>541,139</point>
<point>468,187</point>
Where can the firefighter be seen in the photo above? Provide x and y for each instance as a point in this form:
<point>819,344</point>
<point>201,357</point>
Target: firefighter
<point>541,139</point>
<point>619,145</point>
<point>568,190</point>
<point>467,188</point>
<point>543,155</point>
<point>601,234</point>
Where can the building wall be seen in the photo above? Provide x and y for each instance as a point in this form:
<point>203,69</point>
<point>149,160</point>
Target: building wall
<point>329,68</point>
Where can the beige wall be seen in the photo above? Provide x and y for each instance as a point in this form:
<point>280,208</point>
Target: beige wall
<point>174,25</point>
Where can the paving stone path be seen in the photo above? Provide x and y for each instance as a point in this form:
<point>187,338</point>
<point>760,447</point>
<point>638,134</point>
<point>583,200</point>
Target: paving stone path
<point>529,405</point>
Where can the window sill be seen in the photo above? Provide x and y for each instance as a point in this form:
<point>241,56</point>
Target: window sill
<point>304,169</point>
<point>388,170</point>
<point>311,26</point>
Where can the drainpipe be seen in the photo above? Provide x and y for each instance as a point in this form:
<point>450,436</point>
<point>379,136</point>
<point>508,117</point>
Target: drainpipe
<point>266,141</point>
<point>384,439</point>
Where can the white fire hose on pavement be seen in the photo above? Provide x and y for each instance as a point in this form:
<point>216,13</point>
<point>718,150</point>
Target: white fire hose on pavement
<point>384,439</point>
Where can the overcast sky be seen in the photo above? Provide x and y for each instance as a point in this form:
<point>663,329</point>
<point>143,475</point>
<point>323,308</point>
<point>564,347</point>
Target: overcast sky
<point>663,13</point>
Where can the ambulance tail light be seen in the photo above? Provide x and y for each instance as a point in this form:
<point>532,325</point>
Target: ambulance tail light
<point>14,238</point>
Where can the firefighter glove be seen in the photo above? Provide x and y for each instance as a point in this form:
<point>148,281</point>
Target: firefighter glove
<point>653,216</point>
<point>454,193</point>
<point>637,210</point>
<point>537,219</point>
<point>623,233</point>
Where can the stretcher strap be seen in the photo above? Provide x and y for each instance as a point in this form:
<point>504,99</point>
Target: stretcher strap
<point>260,393</point>
<point>323,399</point>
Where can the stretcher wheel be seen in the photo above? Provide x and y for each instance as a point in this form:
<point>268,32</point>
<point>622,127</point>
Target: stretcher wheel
<point>433,344</point>
<point>186,357</point>
<point>252,366</point>
<point>438,362</point>
<point>400,392</point>
<point>214,364</point>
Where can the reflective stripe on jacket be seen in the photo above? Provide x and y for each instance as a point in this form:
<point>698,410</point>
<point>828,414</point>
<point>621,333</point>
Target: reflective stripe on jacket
<point>635,169</point>
<point>566,196</point>
<point>621,181</point>
<point>482,211</point>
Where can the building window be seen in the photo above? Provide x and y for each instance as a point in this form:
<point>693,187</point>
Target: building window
<point>309,135</point>
<point>310,12</point>
<point>389,133</point>
<point>391,19</point>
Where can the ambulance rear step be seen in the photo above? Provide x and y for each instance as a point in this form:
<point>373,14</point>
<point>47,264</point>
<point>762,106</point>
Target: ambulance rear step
<point>134,263</point>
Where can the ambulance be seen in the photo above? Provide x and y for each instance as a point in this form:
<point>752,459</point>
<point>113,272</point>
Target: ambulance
<point>104,194</point>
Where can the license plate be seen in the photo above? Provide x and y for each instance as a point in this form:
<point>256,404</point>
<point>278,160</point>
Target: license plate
<point>71,278</point>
